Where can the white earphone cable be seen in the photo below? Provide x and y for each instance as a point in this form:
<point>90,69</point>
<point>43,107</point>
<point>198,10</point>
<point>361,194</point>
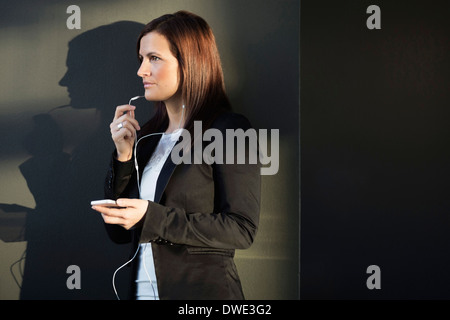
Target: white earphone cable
<point>139,188</point>
<point>114,275</point>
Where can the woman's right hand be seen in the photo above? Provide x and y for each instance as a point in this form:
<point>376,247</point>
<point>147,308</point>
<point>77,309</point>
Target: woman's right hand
<point>123,131</point>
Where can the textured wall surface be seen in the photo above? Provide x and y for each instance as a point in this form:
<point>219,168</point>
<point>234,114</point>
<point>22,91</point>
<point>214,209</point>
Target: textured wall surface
<point>58,91</point>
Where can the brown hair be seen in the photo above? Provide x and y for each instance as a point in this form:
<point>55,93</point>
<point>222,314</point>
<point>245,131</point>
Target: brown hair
<point>193,43</point>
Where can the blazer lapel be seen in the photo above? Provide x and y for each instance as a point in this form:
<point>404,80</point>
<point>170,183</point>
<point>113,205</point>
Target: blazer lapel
<point>164,177</point>
<point>165,174</point>
<point>145,152</point>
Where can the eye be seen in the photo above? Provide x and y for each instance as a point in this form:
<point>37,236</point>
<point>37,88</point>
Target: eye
<point>154,58</point>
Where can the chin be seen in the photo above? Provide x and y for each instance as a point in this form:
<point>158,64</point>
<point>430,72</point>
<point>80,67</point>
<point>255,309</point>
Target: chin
<point>149,97</point>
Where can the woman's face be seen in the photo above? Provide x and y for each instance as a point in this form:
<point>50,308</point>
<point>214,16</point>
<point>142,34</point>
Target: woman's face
<point>159,68</point>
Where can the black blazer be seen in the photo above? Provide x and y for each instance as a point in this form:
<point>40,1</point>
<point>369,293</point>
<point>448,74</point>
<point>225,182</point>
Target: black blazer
<point>200,215</point>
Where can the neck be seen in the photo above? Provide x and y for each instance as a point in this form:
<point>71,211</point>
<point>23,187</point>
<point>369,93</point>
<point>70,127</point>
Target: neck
<point>176,115</point>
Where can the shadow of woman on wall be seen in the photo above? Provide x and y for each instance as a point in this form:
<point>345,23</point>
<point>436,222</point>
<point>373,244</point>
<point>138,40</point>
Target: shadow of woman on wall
<point>70,147</point>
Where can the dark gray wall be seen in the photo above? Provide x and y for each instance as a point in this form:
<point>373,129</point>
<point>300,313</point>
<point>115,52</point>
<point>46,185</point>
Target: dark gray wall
<point>53,159</point>
<point>374,150</point>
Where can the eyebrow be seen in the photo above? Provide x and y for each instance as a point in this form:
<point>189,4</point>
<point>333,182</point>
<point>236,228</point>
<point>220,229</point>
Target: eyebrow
<point>150,54</point>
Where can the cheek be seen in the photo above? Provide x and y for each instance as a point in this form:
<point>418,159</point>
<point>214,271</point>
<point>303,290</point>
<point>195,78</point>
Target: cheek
<point>170,78</point>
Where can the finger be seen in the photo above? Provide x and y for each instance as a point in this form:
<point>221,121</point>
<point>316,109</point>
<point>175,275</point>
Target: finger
<point>123,134</point>
<point>120,110</point>
<point>130,119</point>
<point>109,212</point>
<point>112,220</point>
<point>125,123</point>
<point>115,125</point>
<point>127,203</point>
<point>130,131</point>
<point>126,108</point>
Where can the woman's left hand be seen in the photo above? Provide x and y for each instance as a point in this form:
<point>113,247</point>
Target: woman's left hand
<point>131,212</point>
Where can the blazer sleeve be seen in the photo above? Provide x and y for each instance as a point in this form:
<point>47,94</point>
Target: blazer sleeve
<point>117,185</point>
<point>118,178</point>
<point>237,201</point>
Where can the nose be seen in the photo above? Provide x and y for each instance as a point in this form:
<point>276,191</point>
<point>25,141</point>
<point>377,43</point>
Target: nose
<point>144,69</point>
<point>64,80</point>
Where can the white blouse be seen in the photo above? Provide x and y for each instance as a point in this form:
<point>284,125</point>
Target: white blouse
<point>146,289</point>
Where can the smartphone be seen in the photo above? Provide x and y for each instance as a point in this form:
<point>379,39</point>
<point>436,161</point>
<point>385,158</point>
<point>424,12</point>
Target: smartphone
<point>105,203</point>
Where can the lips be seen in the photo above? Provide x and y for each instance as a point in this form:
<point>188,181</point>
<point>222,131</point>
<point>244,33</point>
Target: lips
<point>148,84</point>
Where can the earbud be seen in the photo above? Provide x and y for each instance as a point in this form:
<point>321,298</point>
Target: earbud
<point>139,188</point>
<point>135,98</point>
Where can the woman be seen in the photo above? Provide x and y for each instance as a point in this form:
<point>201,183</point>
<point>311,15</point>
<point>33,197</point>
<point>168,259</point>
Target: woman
<point>187,217</point>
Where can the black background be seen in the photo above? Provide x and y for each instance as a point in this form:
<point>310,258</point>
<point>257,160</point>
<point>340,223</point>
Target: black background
<point>374,150</point>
